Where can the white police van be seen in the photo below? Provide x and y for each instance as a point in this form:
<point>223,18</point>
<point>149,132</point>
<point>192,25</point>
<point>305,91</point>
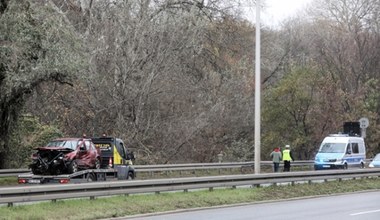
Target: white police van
<point>340,151</point>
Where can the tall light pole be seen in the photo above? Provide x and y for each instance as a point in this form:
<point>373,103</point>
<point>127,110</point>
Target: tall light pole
<point>257,91</point>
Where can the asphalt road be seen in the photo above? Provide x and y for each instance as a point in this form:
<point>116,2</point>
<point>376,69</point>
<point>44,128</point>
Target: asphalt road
<point>356,206</point>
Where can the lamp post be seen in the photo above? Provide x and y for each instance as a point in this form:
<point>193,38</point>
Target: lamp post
<point>257,91</point>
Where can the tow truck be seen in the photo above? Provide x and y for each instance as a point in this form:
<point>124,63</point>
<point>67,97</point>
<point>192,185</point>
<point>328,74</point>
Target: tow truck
<point>116,164</point>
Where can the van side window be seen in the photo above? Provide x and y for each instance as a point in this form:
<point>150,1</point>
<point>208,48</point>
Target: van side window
<point>355,148</point>
<point>348,150</point>
<point>122,148</point>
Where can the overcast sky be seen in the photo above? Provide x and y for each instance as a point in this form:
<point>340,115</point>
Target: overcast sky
<point>277,10</point>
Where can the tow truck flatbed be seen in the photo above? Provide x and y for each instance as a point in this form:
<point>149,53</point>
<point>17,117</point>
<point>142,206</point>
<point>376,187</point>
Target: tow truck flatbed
<point>89,175</point>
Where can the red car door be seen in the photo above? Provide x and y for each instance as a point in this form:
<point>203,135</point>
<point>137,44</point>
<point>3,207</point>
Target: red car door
<point>86,155</point>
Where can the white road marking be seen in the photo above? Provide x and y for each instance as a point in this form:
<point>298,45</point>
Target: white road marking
<point>363,213</point>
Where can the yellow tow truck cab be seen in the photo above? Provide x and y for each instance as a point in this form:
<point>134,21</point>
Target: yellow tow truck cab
<point>113,152</point>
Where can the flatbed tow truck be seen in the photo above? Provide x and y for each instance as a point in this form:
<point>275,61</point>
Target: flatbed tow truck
<point>116,165</point>
<point>91,175</point>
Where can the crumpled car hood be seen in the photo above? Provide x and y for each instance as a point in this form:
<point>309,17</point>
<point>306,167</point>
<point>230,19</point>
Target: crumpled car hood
<point>54,149</point>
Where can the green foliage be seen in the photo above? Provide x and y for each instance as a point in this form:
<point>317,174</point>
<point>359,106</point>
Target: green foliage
<point>37,44</point>
<point>29,133</point>
<point>8,181</point>
<point>287,109</point>
<point>372,101</point>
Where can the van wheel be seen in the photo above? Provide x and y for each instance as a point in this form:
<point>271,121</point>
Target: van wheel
<point>345,166</point>
<point>131,176</point>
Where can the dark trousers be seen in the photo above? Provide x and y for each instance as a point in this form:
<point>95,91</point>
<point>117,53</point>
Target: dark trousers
<point>286,165</point>
<point>276,166</point>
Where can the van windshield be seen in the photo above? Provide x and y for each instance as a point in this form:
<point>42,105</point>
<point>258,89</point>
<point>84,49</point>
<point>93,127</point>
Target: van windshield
<point>333,148</point>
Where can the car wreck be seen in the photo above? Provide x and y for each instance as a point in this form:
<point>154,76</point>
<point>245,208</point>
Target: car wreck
<point>65,156</point>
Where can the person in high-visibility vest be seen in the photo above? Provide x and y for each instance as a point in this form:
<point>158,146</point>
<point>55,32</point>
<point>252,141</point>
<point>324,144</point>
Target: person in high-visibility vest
<point>287,157</point>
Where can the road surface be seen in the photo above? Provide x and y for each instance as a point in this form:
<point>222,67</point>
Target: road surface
<point>355,206</point>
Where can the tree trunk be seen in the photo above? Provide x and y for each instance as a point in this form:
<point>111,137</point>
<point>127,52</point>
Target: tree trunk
<point>2,160</point>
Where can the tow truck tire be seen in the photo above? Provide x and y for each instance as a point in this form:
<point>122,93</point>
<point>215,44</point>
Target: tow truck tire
<point>73,167</point>
<point>97,164</point>
<point>91,177</point>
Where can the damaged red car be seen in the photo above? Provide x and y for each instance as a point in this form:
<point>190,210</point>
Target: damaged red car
<point>65,156</point>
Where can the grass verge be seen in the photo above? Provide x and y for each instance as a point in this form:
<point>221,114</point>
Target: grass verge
<point>8,181</point>
<point>138,204</point>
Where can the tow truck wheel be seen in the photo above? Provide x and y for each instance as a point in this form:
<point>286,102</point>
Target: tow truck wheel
<point>73,167</point>
<point>91,177</point>
<point>97,164</point>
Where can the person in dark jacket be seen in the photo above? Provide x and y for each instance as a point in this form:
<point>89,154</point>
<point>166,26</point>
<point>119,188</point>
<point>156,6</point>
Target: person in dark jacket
<point>287,157</point>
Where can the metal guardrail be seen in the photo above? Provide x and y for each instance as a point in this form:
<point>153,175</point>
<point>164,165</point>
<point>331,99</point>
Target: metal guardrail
<point>11,195</point>
<point>12,172</point>
<point>177,167</point>
<point>183,167</point>
<point>200,166</point>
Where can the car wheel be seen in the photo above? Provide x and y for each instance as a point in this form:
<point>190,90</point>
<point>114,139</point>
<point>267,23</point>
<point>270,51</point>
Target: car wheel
<point>97,164</point>
<point>36,171</point>
<point>73,167</point>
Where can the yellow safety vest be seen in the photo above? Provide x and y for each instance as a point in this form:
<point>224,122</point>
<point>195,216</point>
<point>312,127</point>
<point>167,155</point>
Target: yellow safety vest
<point>286,155</point>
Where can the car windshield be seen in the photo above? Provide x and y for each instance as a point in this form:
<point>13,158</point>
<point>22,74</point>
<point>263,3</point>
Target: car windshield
<point>71,144</point>
<point>333,148</point>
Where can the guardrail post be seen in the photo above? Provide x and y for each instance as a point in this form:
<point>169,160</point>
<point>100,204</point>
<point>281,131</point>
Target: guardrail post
<point>256,185</point>
<point>185,190</point>
<point>10,204</point>
<point>309,182</point>
<point>211,189</point>
<point>92,197</point>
